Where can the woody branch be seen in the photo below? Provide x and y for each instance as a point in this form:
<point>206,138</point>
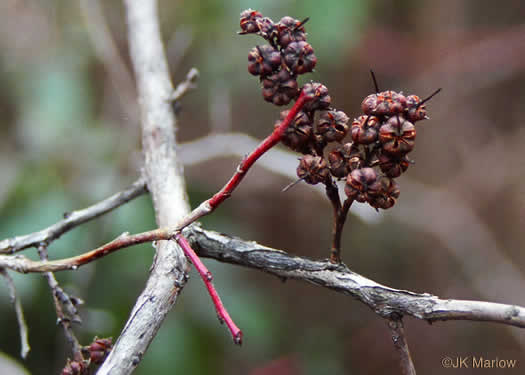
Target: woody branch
<point>385,301</point>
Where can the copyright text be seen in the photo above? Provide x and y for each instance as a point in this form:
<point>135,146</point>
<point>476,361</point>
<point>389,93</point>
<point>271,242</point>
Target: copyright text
<point>478,362</point>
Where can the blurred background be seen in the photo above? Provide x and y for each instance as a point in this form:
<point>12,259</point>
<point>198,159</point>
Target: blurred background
<point>70,136</point>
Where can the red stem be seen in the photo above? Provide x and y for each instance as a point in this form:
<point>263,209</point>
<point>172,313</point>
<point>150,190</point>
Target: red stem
<point>265,145</point>
<point>207,278</point>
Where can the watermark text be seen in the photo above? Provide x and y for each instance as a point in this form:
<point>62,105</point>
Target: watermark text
<point>478,362</point>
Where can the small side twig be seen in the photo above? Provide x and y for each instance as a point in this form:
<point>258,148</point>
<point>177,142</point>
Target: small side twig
<point>73,219</point>
<point>24,341</point>
<point>207,277</point>
<point>400,342</point>
<point>61,300</point>
<point>185,86</point>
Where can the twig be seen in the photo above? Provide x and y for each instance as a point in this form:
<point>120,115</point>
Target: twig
<point>333,195</point>
<point>207,277</point>
<point>340,214</point>
<point>23,264</point>
<point>400,342</point>
<point>383,300</point>
<point>24,341</point>
<point>340,219</point>
<point>211,204</point>
<point>72,220</point>
<point>185,86</point>
<point>60,300</point>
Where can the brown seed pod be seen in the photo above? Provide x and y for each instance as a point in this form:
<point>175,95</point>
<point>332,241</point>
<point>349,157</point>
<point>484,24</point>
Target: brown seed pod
<point>280,88</point>
<point>313,169</point>
<point>263,60</point>
<point>299,134</point>
<point>332,125</point>
<point>358,183</point>
<point>339,166</point>
<point>393,166</point>
<point>386,103</point>
<point>267,28</point>
<point>74,368</point>
<point>248,22</point>
<point>397,136</point>
<point>383,193</point>
<point>414,111</point>
<point>319,93</point>
<point>299,57</point>
<point>290,30</point>
<point>364,129</point>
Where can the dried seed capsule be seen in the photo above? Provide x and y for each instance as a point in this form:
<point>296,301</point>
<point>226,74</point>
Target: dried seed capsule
<point>386,103</point>
<point>74,368</point>
<point>290,30</point>
<point>299,134</point>
<point>299,57</point>
<point>383,194</point>
<point>333,125</point>
<point>364,129</point>
<point>414,111</point>
<point>313,169</point>
<point>248,21</point>
<point>319,93</point>
<point>356,159</point>
<point>358,183</point>
<point>338,163</point>
<point>344,159</point>
<point>393,166</point>
<point>99,349</point>
<point>267,28</point>
<point>280,88</point>
<point>263,60</point>
<point>397,136</point>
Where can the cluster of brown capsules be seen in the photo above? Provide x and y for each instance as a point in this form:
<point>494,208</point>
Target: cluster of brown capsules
<point>381,138</point>
<point>286,56</point>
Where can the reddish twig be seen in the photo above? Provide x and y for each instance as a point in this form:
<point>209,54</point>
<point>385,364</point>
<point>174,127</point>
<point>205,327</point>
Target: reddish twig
<point>340,214</point>
<point>207,277</point>
<point>211,204</point>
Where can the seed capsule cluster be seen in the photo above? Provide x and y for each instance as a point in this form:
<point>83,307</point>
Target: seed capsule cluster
<point>278,63</point>
<point>381,137</point>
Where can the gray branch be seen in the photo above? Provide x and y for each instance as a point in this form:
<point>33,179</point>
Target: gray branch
<point>73,219</point>
<point>387,302</point>
<point>163,172</point>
